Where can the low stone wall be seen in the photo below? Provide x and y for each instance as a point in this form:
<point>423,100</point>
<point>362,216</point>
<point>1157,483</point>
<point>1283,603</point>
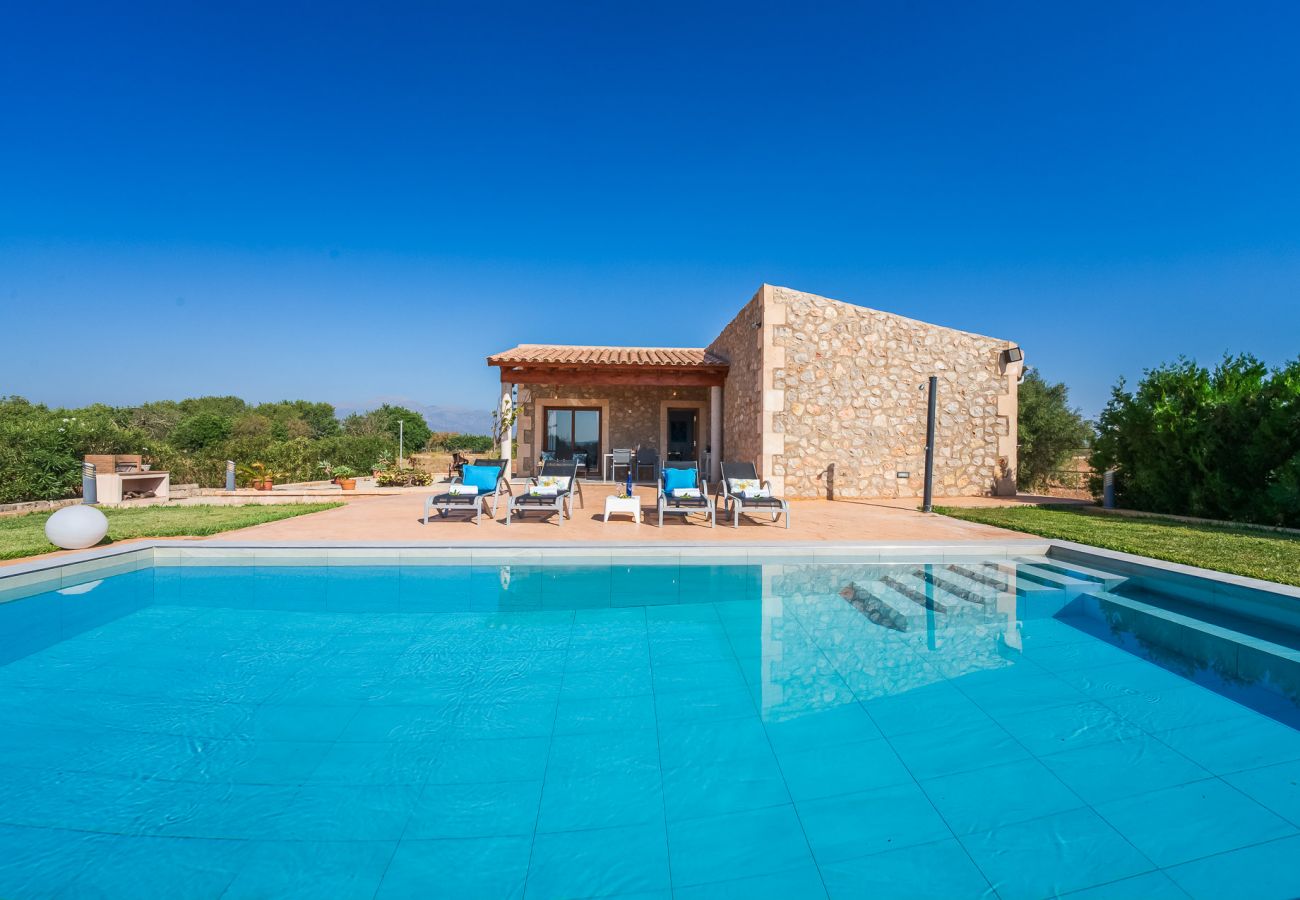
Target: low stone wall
<point>30,506</point>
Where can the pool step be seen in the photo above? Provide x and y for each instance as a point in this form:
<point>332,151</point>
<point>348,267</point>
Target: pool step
<point>1109,579</point>
<point>966,588</point>
<point>885,606</point>
<point>1251,659</point>
<point>995,577</point>
<point>1034,573</point>
<point>928,596</point>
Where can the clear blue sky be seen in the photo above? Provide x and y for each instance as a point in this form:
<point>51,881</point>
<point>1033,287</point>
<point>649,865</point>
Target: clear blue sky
<point>303,200</point>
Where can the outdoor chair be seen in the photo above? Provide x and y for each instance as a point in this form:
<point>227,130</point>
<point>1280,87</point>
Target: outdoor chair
<point>550,491</point>
<point>619,458</point>
<point>675,477</point>
<point>740,491</point>
<point>581,460</point>
<point>458,462</point>
<point>647,458</point>
<point>485,484</point>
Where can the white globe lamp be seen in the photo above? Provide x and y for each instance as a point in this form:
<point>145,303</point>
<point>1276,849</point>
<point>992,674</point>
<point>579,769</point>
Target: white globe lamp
<point>76,527</point>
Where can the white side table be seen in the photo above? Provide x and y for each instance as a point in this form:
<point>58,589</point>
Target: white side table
<point>630,505</point>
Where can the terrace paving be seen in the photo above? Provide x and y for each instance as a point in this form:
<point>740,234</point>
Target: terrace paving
<point>397,518</point>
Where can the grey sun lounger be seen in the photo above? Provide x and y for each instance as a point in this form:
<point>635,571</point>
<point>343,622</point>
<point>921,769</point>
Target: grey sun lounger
<point>734,504</point>
<point>556,503</point>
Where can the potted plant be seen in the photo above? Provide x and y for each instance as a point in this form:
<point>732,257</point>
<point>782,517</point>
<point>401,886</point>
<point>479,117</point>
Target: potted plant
<point>327,469</point>
<point>260,478</point>
<point>345,477</point>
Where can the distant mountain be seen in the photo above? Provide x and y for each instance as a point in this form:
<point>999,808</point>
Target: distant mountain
<point>461,419</point>
<point>457,418</point>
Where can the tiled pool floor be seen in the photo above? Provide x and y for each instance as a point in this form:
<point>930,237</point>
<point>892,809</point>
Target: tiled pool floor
<point>363,732</point>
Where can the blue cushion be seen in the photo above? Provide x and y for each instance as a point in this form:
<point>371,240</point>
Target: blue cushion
<point>482,477</point>
<point>679,478</point>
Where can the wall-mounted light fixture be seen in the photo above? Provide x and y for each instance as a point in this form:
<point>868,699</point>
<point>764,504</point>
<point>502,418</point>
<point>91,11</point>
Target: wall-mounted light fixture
<point>1013,354</point>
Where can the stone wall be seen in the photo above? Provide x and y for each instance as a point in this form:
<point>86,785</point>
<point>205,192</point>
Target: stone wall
<point>741,344</point>
<point>851,411</point>
<point>631,415</point>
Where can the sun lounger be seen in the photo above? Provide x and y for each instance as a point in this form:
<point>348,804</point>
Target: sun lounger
<point>682,491</point>
<point>471,490</point>
<point>740,491</point>
<point>550,491</point>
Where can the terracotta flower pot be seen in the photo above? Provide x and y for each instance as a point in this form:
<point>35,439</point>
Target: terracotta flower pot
<point>348,484</point>
<point>262,484</point>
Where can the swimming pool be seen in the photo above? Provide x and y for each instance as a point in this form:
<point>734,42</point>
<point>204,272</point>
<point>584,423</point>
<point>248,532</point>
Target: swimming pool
<point>268,725</point>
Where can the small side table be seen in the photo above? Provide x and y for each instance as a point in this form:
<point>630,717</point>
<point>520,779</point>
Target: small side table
<point>630,505</point>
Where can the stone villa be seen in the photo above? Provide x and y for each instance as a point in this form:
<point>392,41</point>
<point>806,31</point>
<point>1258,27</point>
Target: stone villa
<point>827,399</point>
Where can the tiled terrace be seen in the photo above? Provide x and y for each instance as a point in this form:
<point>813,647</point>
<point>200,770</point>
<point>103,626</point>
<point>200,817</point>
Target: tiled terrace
<point>397,518</point>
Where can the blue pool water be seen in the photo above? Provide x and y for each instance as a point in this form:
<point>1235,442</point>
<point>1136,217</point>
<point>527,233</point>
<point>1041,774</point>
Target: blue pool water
<point>689,731</point>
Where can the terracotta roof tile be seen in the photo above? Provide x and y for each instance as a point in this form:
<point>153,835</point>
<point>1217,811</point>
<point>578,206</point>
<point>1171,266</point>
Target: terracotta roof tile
<point>560,354</point>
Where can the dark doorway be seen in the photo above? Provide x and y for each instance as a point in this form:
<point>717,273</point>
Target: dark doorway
<point>683,426</point>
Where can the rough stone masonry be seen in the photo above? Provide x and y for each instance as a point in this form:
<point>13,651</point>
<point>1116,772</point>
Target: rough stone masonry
<point>839,407</point>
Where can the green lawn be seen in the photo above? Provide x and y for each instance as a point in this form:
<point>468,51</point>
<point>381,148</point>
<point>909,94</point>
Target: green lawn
<point>1241,551</point>
<point>25,535</point>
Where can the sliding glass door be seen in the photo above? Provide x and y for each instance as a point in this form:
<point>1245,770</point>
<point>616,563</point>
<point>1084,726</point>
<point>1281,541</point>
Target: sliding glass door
<point>570,431</point>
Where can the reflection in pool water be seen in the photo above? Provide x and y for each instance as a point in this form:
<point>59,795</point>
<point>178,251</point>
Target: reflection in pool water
<point>941,729</point>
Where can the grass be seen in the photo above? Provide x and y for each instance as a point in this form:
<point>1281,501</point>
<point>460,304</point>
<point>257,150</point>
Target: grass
<point>1241,551</point>
<point>25,535</point>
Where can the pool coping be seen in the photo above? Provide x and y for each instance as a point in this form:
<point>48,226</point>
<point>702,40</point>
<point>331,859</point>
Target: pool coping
<point>168,551</point>
<point>380,549</point>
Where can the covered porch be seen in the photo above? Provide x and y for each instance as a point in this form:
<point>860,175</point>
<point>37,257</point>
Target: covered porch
<point>595,404</point>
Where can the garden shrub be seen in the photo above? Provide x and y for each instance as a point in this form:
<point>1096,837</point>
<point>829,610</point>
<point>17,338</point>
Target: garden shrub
<point>451,442</point>
<point>41,448</point>
<point>1218,444</point>
<point>403,478</point>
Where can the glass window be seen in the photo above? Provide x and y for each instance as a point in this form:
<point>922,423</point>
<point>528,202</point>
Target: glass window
<point>570,431</point>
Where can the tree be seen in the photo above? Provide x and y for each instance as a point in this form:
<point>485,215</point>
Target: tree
<point>386,420</point>
<point>1049,429</point>
<point>200,431</point>
<point>226,407</point>
<point>452,441</point>
<point>318,417</point>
